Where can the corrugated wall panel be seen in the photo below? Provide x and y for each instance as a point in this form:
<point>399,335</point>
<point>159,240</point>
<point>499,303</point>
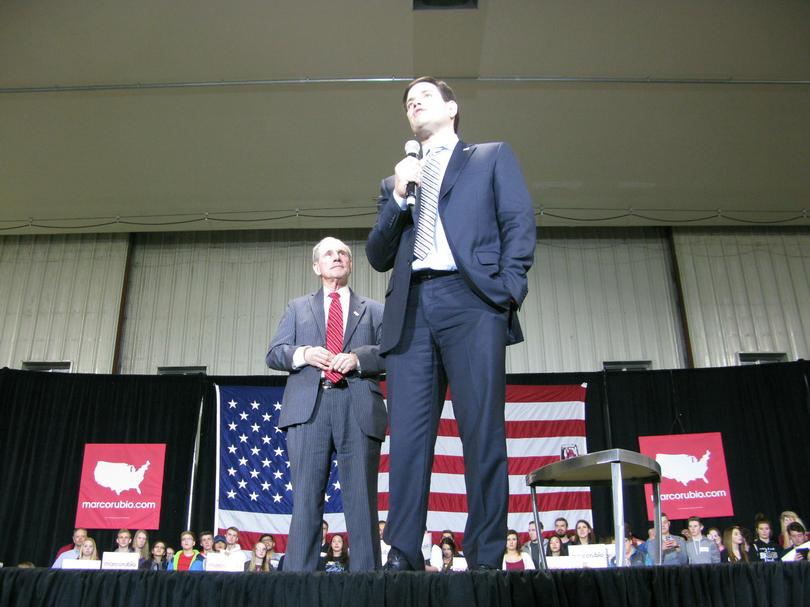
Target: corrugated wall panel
<point>60,298</point>
<point>597,295</point>
<point>214,299</point>
<point>745,290</point>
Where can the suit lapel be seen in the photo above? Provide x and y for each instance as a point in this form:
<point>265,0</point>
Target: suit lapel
<point>356,310</point>
<point>461,154</point>
<point>316,303</point>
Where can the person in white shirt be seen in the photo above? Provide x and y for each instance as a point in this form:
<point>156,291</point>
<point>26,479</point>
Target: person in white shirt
<point>79,535</point>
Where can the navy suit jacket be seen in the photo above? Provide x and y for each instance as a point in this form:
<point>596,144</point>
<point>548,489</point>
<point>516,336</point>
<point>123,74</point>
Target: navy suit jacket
<point>487,215</point>
<point>303,324</point>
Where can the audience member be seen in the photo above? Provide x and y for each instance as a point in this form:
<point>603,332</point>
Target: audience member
<point>797,536</point>
<point>258,559</point>
<point>123,541</point>
<point>270,542</point>
<point>767,550</point>
<point>444,563</point>
<point>157,560</point>
<point>513,558</point>
<point>674,547</point>
<point>633,557</point>
<point>140,543</point>
<point>435,554</point>
<point>189,558</point>
<point>169,553</point>
<point>71,551</point>
<point>232,539</point>
<point>585,534</point>
<point>220,544</point>
<point>785,519</point>
<point>561,529</point>
<point>700,550</point>
<point>336,559</point>
<point>735,547</point>
<point>79,535</point>
<point>89,551</point>
<point>532,547</point>
<point>714,535</point>
<point>206,542</point>
<point>556,547</point>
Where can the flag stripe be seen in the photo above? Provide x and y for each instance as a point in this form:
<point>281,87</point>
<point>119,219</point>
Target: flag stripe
<point>454,502</point>
<point>454,464</point>
<point>532,394</point>
<point>515,447</point>
<point>454,483</point>
<point>526,429</point>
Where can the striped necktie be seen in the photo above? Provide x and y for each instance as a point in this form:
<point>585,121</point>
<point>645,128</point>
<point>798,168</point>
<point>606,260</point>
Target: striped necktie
<point>334,333</point>
<point>428,205</point>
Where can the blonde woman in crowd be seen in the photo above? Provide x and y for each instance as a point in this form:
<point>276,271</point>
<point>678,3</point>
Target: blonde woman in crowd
<point>259,562</point>
<point>140,542</point>
<point>787,517</point>
<point>89,552</point>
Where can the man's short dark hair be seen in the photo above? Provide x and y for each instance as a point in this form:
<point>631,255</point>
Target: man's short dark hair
<point>795,526</point>
<point>693,518</point>
<point>561,518</point>
<point>202,533</point>
<point>444,89</point>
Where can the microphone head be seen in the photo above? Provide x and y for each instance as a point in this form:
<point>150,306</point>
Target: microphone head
<point>412,148</point>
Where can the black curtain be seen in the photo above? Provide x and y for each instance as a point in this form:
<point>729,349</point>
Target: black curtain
<point>45,421</point>
<point>757,585</point>
<point>763,413</point>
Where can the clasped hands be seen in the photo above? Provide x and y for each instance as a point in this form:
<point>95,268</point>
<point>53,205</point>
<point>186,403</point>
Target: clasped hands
<point>320,357</point>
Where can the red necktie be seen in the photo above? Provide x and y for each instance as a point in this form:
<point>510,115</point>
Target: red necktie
<point>334,333</point>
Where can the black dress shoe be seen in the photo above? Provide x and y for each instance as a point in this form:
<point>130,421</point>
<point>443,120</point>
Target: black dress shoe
<point>397,562</point>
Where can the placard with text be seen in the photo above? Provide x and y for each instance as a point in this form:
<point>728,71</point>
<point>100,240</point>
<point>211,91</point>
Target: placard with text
<point>121,486</point>
<point>694,481</point>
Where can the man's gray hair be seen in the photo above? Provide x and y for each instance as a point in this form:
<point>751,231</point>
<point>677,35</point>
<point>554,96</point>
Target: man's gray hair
<point>316,250</point>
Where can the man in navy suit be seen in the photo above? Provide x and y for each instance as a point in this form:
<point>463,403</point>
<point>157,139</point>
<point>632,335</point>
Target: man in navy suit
<point>323,412</point>
<point>449,315</point>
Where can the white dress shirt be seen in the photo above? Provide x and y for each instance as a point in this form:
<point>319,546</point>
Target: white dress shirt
<point>440,256</point>
<point>298,356</point>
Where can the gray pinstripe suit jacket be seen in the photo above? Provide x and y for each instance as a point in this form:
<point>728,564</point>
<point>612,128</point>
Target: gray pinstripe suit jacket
<point>303,324</point>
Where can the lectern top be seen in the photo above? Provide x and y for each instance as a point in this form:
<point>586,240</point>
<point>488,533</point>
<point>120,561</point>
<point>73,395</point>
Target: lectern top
<point>595,469</point>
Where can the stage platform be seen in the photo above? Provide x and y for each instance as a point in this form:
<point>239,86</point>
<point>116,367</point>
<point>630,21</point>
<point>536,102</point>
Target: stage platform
<point>757,585</point>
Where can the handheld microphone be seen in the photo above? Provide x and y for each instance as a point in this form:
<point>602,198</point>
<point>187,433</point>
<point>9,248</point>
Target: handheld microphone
<point>412,148</point>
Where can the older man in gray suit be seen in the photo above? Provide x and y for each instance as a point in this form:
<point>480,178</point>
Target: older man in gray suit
<point>329,343</point>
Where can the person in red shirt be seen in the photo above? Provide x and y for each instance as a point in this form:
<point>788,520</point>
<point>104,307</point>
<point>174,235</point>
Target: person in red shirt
<point>187,559</point>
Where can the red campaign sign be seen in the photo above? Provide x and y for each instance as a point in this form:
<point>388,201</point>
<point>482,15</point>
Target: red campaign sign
<point>694,481</point>
<point>121,487</point>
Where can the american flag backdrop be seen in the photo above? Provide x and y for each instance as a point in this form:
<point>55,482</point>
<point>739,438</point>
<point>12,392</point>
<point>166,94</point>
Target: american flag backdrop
<point>255,494</point>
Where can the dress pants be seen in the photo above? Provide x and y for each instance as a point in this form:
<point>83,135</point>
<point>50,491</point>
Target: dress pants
<point>310,446</point>
<point>450,335</point>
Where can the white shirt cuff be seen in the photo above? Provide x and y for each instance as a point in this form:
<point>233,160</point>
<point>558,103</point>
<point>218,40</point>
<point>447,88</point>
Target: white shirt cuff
<point>298,357</point>
<point>403,204</point>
